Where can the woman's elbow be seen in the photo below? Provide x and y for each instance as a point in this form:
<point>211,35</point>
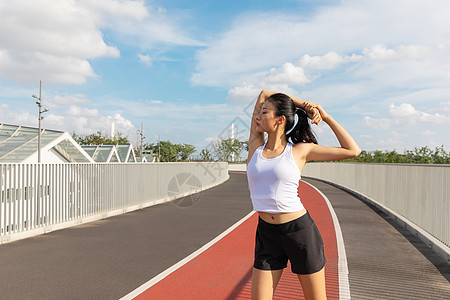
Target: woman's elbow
<point>356,152</point>
<point>263,93</point>
<point>352,152</point>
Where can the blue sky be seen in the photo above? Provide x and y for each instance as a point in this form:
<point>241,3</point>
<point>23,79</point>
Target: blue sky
<point>187,69</point>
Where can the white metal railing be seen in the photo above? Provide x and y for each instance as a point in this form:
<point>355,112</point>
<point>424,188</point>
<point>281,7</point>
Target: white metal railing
<point>39,198</point>
<point>419,193</point>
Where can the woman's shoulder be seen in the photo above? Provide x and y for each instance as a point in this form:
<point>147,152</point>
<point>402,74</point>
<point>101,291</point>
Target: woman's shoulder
<point>301,149</point>
<point>302,146</point>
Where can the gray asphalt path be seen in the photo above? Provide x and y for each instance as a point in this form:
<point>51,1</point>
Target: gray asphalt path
<point>109,258</point>
<point>385,261</point>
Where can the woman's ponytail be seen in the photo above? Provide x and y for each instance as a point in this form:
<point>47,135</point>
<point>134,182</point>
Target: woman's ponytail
<point>301,132</point>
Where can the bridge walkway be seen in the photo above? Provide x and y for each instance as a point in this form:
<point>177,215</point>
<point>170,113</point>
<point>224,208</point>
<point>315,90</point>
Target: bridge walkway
<point>174,248</point>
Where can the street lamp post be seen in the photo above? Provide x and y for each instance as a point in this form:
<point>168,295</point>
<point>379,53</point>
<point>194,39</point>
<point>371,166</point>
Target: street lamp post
<point>39,103</point>
<point>140,140</point>
<point>141,133</point>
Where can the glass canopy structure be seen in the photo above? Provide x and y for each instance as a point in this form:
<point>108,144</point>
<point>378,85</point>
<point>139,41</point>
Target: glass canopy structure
<point>126,153</point>
<point>111,153</point>
<point>19,144</point>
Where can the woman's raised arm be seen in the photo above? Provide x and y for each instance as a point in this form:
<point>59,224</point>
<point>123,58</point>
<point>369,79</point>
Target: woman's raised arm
<point>256,139</point>
<point>349,148</point>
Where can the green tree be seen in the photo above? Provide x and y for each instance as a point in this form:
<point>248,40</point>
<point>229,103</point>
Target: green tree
<point>168,151</point>
<point>422,155</point>
<point>171,152</point>
<point>225,149</point>
<point>246,145</point>
<point>419,155</point>
<point>184,151</point>
<point>439,156</point>
<point>206,154</point>
<point>364,157</point>
<point>98,138</point>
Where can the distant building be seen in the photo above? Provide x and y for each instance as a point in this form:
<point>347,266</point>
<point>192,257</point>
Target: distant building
<point>148,155</point>
<point>19,144</point>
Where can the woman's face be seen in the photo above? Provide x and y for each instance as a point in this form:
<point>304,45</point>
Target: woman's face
<point>267,121</point>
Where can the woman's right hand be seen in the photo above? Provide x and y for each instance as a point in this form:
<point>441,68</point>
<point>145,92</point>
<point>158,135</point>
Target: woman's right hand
<point>313,112</point>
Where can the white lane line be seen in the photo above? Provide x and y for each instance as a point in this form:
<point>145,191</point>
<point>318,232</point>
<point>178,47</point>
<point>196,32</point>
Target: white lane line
<point>344,286</point>
<point>182,262</point>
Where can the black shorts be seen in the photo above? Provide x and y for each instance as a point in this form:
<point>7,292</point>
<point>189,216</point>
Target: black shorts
<point>298,240</point>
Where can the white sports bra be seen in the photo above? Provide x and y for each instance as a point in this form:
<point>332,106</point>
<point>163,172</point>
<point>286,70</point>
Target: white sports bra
<point>273,182</point>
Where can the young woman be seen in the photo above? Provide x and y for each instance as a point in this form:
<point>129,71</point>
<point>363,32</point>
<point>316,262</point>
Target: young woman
<point>285,230</point>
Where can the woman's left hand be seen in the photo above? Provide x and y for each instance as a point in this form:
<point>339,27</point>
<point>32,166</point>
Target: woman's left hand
<point>313,112</point>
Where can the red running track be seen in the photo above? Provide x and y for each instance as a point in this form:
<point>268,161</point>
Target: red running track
<point>223,271</point>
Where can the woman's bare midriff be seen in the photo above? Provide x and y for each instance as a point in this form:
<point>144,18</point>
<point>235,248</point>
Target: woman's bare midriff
<point>281,217</point>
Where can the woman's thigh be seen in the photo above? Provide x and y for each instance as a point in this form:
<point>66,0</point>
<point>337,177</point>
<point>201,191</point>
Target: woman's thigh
<point>264,283</point>
<point>313,285</point>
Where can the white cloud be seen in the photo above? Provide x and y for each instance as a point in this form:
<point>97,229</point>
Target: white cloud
<point>430,98</point>
<point>403,126</point>
<point>396,134</point>
<point>243,93</point>
<point>377,123</point>
<point>445,107</point>
<point>134,10</point>
<point>382,52</point>
<point>17,118</point>
<point>82,111</point>
<point>362,84</point>
<point>428,133</point>
<point>379,52</point>
<point>365,136</point>
<point>407,113</point>
<point>54,40</point>
<point>287,74</point>
<point>138,24</point>
<point>390,143</point>
<point>403,111</point>
<point>82,120</point>
<point>66,100</point>
<point>50,40</point>
<point>328,61</point>
<point>145,59</point>
<point>257,42</point>
<point>405,116</point>
<point>183,120</point>
<point>86,121</point>
<point>246,93</point>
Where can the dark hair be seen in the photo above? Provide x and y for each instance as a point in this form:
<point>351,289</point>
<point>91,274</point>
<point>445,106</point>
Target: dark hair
<point>284,106</point>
